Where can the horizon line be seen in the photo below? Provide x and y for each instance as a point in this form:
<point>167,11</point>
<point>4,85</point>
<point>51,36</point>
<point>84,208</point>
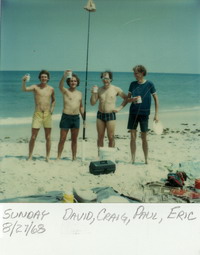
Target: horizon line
<point>98,71</point>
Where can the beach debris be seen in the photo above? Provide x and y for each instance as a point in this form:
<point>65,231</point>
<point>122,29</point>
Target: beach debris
<point>185,193</point>
<point>159,193</point>
<point>197,185</point>
<point>166,131</point>
<point>22,140</point>
<point>176,179</point>
<point>68,197</point>
<point>121,136</point>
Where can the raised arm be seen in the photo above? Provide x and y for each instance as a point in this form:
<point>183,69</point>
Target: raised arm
<point>61,84</point>
<point>155,97</point>
<point>24,88</point>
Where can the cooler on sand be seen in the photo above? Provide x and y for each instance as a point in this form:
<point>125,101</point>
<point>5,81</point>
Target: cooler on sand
<point>102,167</point>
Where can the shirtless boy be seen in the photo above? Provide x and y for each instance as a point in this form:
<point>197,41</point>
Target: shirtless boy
<point>44,106</point>
<point>106,115</point>
<point>72,106</point>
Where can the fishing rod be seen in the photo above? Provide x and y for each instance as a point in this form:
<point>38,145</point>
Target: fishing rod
<point>90,7</point>
<point>86,77</point>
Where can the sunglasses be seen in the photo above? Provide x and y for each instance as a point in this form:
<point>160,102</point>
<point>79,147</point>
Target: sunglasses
<point>105,79</point>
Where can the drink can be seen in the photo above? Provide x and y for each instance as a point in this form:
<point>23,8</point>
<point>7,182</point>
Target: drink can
<point>69,74</point>
<point>95,89</point>
<point>28,77</point>
<point>139,100</point>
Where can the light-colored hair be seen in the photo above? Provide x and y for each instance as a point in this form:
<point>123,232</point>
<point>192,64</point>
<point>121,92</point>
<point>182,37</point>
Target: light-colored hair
<point>140,69</point>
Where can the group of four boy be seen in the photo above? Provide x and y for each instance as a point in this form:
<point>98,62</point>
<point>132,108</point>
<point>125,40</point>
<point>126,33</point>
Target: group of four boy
<point>139,95</point>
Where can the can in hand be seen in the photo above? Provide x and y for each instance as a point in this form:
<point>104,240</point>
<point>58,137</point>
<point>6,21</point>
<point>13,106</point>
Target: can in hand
<point>95,89</point>
<point>28,77</point>
<point>69,74</point>
<point>139,100</point>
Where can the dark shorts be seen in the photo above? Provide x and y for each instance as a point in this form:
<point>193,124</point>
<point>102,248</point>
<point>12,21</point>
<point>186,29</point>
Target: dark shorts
<point>135,119</point>
<point>106,116</point>
<point>69,121</point>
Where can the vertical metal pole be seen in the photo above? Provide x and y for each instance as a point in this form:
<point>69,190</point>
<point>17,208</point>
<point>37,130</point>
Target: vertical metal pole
<point>86,75</point>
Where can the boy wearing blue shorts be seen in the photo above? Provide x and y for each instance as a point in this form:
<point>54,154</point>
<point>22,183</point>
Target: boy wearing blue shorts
<point>70,120</point>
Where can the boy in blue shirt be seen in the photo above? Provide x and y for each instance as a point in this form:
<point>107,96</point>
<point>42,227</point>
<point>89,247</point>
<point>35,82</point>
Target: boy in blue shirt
<point>139,95</point>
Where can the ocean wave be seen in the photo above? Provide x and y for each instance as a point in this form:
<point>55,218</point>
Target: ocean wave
<point>180,109</point>
<point>57,117</point>
<point>15,121</point>
<point>28,120</point>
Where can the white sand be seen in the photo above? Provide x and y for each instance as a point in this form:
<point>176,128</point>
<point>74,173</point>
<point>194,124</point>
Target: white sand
<point>18,177</point>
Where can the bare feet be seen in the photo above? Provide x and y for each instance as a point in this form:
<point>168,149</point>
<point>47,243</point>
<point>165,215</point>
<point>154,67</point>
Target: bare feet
<point>47,159</point>
<point>133,160</point>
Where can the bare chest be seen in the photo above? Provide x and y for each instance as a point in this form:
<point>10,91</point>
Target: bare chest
<point>43,92</point>
<point>108,95</point>
<point>72,97</point>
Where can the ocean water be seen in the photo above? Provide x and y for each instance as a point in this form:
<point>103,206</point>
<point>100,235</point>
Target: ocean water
<point>177,92</point>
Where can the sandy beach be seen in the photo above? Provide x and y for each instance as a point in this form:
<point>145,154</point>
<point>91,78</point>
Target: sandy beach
<point>179,143</point>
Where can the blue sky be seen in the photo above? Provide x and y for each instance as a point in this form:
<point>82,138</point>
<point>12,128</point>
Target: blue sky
<point>52,34</point>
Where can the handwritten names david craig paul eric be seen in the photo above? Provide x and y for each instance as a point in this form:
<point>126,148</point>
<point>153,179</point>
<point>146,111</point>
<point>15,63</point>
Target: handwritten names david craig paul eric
<point>138,214</point>
<point>38,222</point>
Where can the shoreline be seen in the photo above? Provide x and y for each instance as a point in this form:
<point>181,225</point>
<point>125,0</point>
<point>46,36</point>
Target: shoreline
<point>170,120</point>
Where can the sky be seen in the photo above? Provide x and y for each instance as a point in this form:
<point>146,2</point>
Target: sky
<point>163,35</point>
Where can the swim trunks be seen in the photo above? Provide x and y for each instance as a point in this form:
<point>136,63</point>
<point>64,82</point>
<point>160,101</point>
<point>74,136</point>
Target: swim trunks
<point>69,121</point>
<point>106,116</point>
<point>135,119</point>
<point>42,119</point>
